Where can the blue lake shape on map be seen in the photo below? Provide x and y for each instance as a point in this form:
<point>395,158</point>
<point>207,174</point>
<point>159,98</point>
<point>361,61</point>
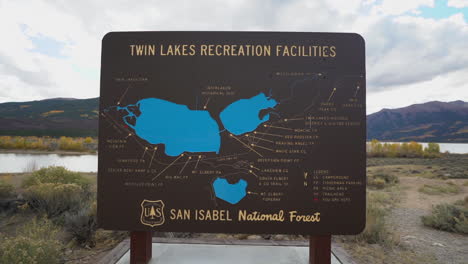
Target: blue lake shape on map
<point>231,193</point>
<point>176,126</point>
<point>242,116</point>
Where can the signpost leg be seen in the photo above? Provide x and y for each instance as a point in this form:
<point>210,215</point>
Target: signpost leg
<point>140,247</point>
<point>320,249</point>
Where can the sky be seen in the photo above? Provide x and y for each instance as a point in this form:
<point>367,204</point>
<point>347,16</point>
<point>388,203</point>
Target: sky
<point>416,50</point>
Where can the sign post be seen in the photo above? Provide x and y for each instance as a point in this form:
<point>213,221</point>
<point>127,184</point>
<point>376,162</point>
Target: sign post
<point>233,132</point>
<point>320,249</point>
<point>140,247</point>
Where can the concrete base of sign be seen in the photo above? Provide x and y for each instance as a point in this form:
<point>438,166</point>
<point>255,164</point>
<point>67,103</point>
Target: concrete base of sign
<point>225,252</point>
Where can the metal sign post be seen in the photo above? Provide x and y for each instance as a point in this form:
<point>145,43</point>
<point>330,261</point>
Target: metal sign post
<point>140,247</point>
<point>320,249</point>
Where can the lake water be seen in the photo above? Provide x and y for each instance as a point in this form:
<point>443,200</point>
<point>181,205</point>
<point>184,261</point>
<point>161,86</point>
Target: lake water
<point>231,193</point>
<point>179,128</point>
<point>242,116</point>
<point>13,162</point>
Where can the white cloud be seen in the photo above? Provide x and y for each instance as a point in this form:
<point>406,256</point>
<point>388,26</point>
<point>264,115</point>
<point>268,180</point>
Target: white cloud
<point>404,52</point>
<point>410,49</point>
<point>445,88</point>
<point>457,3</point>
<point>398,7</point>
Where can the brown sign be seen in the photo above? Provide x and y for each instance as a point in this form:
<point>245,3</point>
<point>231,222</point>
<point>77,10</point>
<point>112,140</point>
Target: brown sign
<point>232,132</point>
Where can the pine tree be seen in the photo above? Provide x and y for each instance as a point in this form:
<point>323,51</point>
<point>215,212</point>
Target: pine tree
<point>152,212</point>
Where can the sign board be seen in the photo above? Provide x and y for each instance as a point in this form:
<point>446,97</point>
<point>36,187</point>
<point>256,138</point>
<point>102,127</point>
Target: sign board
<point>232,132</point>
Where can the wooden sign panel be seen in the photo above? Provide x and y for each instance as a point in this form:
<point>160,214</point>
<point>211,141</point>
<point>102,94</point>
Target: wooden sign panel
<point>232,132</point>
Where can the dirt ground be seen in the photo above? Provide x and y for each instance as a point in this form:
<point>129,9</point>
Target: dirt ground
<point>414,242</point>
<point>406,220</point>
<point>414,199</point>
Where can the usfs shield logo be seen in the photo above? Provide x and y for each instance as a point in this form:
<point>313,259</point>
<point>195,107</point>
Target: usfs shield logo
<point>152,213</point>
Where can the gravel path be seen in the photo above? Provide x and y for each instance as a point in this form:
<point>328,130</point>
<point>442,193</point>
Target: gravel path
<point>406,220</point>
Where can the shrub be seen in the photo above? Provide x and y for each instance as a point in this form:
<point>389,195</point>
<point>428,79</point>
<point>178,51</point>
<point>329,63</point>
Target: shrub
<point>53,199</point>
<point>376,231</point>
<point>449,217</point>
<point>82,225</point>
<point>36,243</point>
<point>389,179</point>
<point>376,182</point>
<point>381,180</point>
<point>6,189</point>
<point>57,175</point>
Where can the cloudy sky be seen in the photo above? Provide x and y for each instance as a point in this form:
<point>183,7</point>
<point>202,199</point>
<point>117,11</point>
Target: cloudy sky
<point>417,50</point>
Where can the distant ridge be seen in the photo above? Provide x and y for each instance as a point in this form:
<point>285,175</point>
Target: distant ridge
<point>60,98</point>
<point>428,122</point>
<point>50,117</point>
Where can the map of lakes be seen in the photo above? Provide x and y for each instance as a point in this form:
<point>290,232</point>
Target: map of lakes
<point>181,130</point>
<point>231,193</point>
<point>242,116</point>
<point>176,126</point>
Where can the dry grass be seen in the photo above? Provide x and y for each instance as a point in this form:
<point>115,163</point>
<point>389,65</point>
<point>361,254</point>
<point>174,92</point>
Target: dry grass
<point>442,188</point>
<point>405,170</point>
<point>364,254</point>
<point>451,166</point>
<point>6,189</point>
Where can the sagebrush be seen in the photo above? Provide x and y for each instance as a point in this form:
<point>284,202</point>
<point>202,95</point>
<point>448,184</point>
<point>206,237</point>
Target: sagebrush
<point>449,217</point>
<point>54,199</point>
<point>35,243</point>
<point>57,175</point>
<point>376,230</point>
<point>82,225</point>
<point>380,180</point>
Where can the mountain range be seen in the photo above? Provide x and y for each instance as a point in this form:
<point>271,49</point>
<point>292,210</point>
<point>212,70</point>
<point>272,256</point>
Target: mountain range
<point>50,117</point>
<point>428,122</point>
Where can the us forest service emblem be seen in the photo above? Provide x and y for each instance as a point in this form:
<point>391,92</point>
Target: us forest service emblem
<point>152,213</point>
